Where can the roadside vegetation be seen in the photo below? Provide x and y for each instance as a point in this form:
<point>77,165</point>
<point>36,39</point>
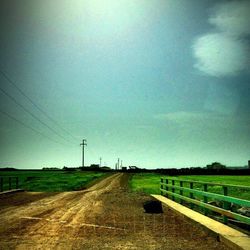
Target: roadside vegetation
<point>52,181</point>
<point>150,183</point>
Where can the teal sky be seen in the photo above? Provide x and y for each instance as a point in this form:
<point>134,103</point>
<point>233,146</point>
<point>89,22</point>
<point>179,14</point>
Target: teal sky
<point>157,83</point>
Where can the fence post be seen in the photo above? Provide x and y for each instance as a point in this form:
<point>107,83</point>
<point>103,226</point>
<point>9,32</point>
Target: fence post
<point>9,183</point>
<point>173,190</point>
<point>167,187</point>
<point>191,195</point>
<point>226,204</point>
<point>205,198</point>
<point>181,191</point>
<point>1,184</point>
<point>161,186</point>
<point>16,182</point>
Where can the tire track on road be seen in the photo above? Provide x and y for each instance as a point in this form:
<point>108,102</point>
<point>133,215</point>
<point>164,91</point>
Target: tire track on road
<point>41,221</point>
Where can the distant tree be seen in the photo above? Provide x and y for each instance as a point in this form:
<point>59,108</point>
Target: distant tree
<point>94,166</point>
<point>46,168</point>
<point>8,169</point>
<point>106,168</point>
<point>216,165</point>
<point>68,169</point>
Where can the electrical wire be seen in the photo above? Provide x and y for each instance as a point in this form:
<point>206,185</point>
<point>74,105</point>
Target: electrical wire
<point>31,114</point>
<point>28,127</point>
<point>34,104</point>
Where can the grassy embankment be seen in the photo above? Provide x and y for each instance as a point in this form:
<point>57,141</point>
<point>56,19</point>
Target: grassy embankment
<point>150,183</point>
<point>52,181</point>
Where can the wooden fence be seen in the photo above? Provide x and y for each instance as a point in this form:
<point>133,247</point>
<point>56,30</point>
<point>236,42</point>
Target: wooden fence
<point>177,190</point>
<point>8,183</point>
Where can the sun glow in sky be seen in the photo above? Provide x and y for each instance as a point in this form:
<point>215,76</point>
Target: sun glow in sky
<point>156,83</point>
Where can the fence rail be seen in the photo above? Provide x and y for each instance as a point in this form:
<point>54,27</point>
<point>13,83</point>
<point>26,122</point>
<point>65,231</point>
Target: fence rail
<point>8,183</point>
<point>170,188</point>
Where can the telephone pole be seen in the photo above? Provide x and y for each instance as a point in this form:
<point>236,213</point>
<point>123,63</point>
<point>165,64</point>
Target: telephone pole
<point>100,161</point>
<point>84,143</point>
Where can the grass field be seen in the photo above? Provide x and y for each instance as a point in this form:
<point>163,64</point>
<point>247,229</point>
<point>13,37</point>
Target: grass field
<point>150,183</point>
<point>146,183</point>
<point>51,181</point>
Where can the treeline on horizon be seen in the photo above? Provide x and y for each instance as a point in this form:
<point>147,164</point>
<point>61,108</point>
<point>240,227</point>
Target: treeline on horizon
<point>215,168</point>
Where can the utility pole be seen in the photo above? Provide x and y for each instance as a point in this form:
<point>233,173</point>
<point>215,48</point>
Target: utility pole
<point>100,161</point>
<point>118,163</point>
<point>84,143</point>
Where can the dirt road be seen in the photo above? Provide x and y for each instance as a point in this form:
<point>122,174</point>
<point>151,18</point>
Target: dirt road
<point>105,216</point>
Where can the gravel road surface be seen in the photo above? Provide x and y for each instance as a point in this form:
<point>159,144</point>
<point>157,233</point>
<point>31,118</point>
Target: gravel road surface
<point>105,216</point>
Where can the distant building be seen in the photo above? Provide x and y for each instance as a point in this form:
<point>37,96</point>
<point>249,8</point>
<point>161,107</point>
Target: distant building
<point>133,167</point>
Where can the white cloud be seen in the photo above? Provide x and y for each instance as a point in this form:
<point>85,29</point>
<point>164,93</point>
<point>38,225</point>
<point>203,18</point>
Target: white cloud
<point>232,17</point>
<point>218,54</point>
<point>227,52</point>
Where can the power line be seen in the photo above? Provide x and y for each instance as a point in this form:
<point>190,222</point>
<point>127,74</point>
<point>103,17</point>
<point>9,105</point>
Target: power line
<point>34,104</point>
<point>29,127</point>
<point>34,116</point>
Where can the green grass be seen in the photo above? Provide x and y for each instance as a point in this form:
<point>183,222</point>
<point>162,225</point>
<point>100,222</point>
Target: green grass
<point>222,179</point>
<point>150,183</point>
<point>51,181</point>
<point>146,183</point>
<point>227,179</point>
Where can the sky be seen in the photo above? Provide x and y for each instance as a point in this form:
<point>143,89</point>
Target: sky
<point>156,83</point>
